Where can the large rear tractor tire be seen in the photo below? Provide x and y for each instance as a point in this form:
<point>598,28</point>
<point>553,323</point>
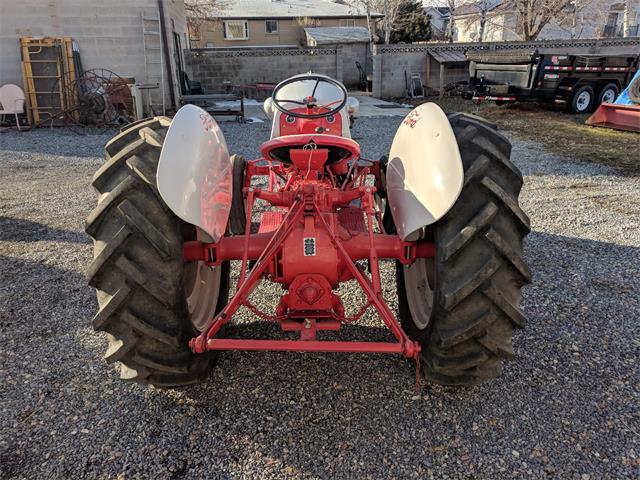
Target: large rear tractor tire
<point>462,305</point>
<point>151,303</point>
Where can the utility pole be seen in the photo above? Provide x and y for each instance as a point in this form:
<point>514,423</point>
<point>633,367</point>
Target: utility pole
<point>451,26</point>
<point>626,18</point>
<point>483,19</point>
<point>387,33</point>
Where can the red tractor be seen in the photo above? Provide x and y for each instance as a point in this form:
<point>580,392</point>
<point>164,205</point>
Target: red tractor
<point>175,209</point>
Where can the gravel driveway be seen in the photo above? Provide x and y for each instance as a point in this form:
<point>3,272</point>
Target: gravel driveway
<point>567,407</point>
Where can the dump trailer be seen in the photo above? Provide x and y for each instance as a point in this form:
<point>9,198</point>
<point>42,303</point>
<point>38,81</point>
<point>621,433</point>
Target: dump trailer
<point>582,81</point>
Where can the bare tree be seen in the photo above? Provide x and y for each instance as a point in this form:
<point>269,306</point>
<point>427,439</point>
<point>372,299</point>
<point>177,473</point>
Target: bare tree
<point>450,33</point>
<point>530,16</point>
<point>387,7</point>
<point>533,15</point>
<point>200,11</point>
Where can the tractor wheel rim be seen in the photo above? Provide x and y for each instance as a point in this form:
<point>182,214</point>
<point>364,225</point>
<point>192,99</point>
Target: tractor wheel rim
<point>419,284</point>
<point>583,101</point>
<point>202,286</point>
<point>609,96</point>
<point>202,290</point>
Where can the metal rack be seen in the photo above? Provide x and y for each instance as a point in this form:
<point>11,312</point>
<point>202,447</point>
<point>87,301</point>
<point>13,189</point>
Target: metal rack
<point>47,65</point>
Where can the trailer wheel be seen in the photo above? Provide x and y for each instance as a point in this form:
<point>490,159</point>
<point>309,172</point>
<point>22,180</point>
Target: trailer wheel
<point>608,93</point>
<point>150,302</point>
<point>582,100</point>
<point>462,305</point>
<point>237,216</point>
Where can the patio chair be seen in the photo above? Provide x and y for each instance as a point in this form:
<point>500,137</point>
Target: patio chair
<point>12,101</point>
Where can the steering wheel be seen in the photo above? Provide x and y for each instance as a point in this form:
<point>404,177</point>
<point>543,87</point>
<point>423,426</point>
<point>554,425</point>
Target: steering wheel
<point>310,102</point>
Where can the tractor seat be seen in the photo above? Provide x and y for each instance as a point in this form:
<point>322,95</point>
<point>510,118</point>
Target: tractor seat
<point>339,148</point>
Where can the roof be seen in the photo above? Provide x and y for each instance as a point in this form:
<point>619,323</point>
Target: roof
<point>475,8</point>
<point>448,56</point>
<point>266,9</point>
<point>442,11</point>
<point>333,35</point>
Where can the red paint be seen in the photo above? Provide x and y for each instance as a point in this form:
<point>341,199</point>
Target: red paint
<point>303,346</point>
<point>330,142</point>
<point>320,223</point>
<point>290,125</point>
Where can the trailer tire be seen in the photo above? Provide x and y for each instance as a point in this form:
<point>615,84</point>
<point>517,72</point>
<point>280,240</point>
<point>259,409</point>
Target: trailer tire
<point>462,305</point>
<point>141,281</point>
<point>582,101</point>
<point>237,216</point>
<point>608,93</point>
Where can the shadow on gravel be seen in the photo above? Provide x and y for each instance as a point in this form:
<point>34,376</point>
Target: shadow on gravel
<point>21,230</point>
<point>569,394</point>
<point>41,299</point>
<point>58,142</point>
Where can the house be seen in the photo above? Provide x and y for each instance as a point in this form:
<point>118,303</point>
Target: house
<point>499,23</point>
<point>439,18</point>
<point>582,19</point>
<point>260,23</point>
<point>617,20</point>
<point>125,37</point>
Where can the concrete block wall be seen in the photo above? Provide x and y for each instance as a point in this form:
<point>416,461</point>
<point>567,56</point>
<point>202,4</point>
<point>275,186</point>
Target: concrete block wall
<point>350,54</point>
<point>390,62</point>
<point>217,68</point>
<point>108,33</point>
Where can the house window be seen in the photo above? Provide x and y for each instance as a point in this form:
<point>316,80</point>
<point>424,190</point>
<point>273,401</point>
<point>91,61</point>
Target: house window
<point>236,30</point>
<point>611,27</point>
<point>271,26</point>
<point>348,22</point>
<point>612,19</point>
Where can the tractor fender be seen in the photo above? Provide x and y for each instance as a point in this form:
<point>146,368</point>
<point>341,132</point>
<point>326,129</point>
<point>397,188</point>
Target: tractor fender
<point>424,172</point>
<point>194,171</point>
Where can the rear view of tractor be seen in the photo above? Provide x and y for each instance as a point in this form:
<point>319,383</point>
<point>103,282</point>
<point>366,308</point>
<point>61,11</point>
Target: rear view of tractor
<point>175,208</point>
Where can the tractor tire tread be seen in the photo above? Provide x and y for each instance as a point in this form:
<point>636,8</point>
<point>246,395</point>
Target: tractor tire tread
<point>479,264</point>
<point>137,266</point>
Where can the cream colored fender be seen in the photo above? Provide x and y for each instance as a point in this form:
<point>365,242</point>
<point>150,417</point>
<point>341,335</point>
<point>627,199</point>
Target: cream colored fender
<point>194,172</point>
<point>424,173</point>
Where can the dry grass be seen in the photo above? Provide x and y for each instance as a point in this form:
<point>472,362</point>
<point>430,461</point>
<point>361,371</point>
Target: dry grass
<point>560,132</point>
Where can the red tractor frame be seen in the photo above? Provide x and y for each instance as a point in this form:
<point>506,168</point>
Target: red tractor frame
<point>324,237</point>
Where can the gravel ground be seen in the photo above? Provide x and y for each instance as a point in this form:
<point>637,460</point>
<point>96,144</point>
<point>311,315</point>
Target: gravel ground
<point>567,407</point>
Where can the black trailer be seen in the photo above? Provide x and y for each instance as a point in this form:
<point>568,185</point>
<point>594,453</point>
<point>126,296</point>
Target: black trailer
<point>582,81</point>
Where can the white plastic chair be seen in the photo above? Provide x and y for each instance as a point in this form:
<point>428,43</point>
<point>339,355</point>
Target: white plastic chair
<point>12,101</point>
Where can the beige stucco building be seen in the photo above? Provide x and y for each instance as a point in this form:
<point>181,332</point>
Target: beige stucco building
<point>249,23</point>
<point>124,36</point>
<point>591,19</point>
